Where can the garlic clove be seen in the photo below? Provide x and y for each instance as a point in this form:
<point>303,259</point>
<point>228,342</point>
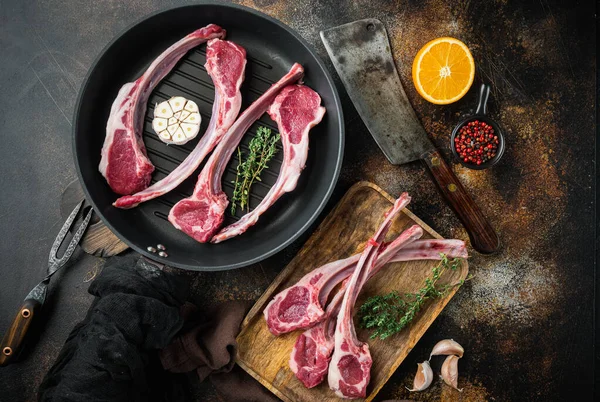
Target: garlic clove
<point>192,118</point>
<point>423,378</point>
<point>172,128</point>
<point>163,110</point>
<point>177,103</point>
<point>159,124</point>
<point>191,107</point>
<point>164,135</point>
<point>190,130</point>
<point>184,115</point>
<point>179,136</point>
<point>450,371</point>
<point>447,347</point>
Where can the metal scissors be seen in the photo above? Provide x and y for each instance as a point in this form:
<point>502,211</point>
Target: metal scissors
<point>13,339</point>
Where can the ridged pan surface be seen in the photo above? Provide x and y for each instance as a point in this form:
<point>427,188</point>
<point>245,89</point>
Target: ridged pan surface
<point>271,48</point>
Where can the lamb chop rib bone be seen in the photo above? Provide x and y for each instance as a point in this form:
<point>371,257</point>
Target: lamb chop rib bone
<point>225,64</point>
<point>123,161</point>
<point>311,353</point>
<point>350,368</point>
<point>296,110</point>
<point>201,214</point>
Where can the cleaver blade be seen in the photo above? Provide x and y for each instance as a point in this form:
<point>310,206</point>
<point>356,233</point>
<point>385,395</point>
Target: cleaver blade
<point>361,54</point>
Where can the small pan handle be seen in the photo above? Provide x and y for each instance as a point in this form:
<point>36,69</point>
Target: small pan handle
<point>484,94</point>
<point>483,237</point>
<point>13,339</point>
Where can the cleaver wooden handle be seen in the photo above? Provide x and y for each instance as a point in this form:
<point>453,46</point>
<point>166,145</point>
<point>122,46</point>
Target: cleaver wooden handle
<point>483,237</point>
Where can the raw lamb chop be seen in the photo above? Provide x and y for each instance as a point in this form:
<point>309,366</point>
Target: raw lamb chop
<point>311,353</point>
<point>201,215</point>
<point>290,302</point>
<point>350,367</point>
<point>296,110</point>
<point>124,163</point>
<point>225,64</point>
<point>301,305</point>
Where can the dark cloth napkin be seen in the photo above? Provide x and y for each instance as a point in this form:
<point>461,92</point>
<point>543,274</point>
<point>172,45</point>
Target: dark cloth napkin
<point>207,345</point>
<point>112,355</point>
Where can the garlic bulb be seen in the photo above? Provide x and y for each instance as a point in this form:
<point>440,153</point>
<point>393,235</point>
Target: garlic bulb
<point>423,378</point>
<point>177,120</point>
<point>447,347</point>
<point>450,371</point>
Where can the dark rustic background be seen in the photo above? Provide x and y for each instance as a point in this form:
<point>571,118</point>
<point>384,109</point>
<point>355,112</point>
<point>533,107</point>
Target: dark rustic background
<point>526,318</point>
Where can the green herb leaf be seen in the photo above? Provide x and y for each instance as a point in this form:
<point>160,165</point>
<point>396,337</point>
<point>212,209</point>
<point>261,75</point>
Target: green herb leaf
<point>262,148</point>
<point>388,314</point>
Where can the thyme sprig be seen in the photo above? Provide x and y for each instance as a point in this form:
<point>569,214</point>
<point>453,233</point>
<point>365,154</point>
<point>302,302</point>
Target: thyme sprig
<point>262,148</point>
<point>388,314</point>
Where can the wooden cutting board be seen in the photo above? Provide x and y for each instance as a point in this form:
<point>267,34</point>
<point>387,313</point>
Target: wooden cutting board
<point>342,234</point>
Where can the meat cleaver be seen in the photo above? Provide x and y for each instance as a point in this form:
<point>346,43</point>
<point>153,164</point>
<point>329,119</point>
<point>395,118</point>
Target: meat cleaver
<point>361,54</point>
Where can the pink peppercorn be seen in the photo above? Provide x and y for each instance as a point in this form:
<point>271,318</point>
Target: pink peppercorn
<point>476,142</point>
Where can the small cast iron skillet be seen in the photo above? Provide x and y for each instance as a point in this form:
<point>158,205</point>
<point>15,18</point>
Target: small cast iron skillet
<point>481,115</point>
<point>272,48</point>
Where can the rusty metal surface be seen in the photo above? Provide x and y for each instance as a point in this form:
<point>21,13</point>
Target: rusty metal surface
<point>525,319</point>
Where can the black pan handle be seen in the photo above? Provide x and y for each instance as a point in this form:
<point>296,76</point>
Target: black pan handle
<point>484,94</point>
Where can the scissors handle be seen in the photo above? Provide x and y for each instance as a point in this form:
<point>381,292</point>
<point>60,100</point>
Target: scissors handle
<point>13,339</point>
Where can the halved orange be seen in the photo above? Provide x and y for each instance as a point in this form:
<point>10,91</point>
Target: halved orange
<point>443,70</point>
